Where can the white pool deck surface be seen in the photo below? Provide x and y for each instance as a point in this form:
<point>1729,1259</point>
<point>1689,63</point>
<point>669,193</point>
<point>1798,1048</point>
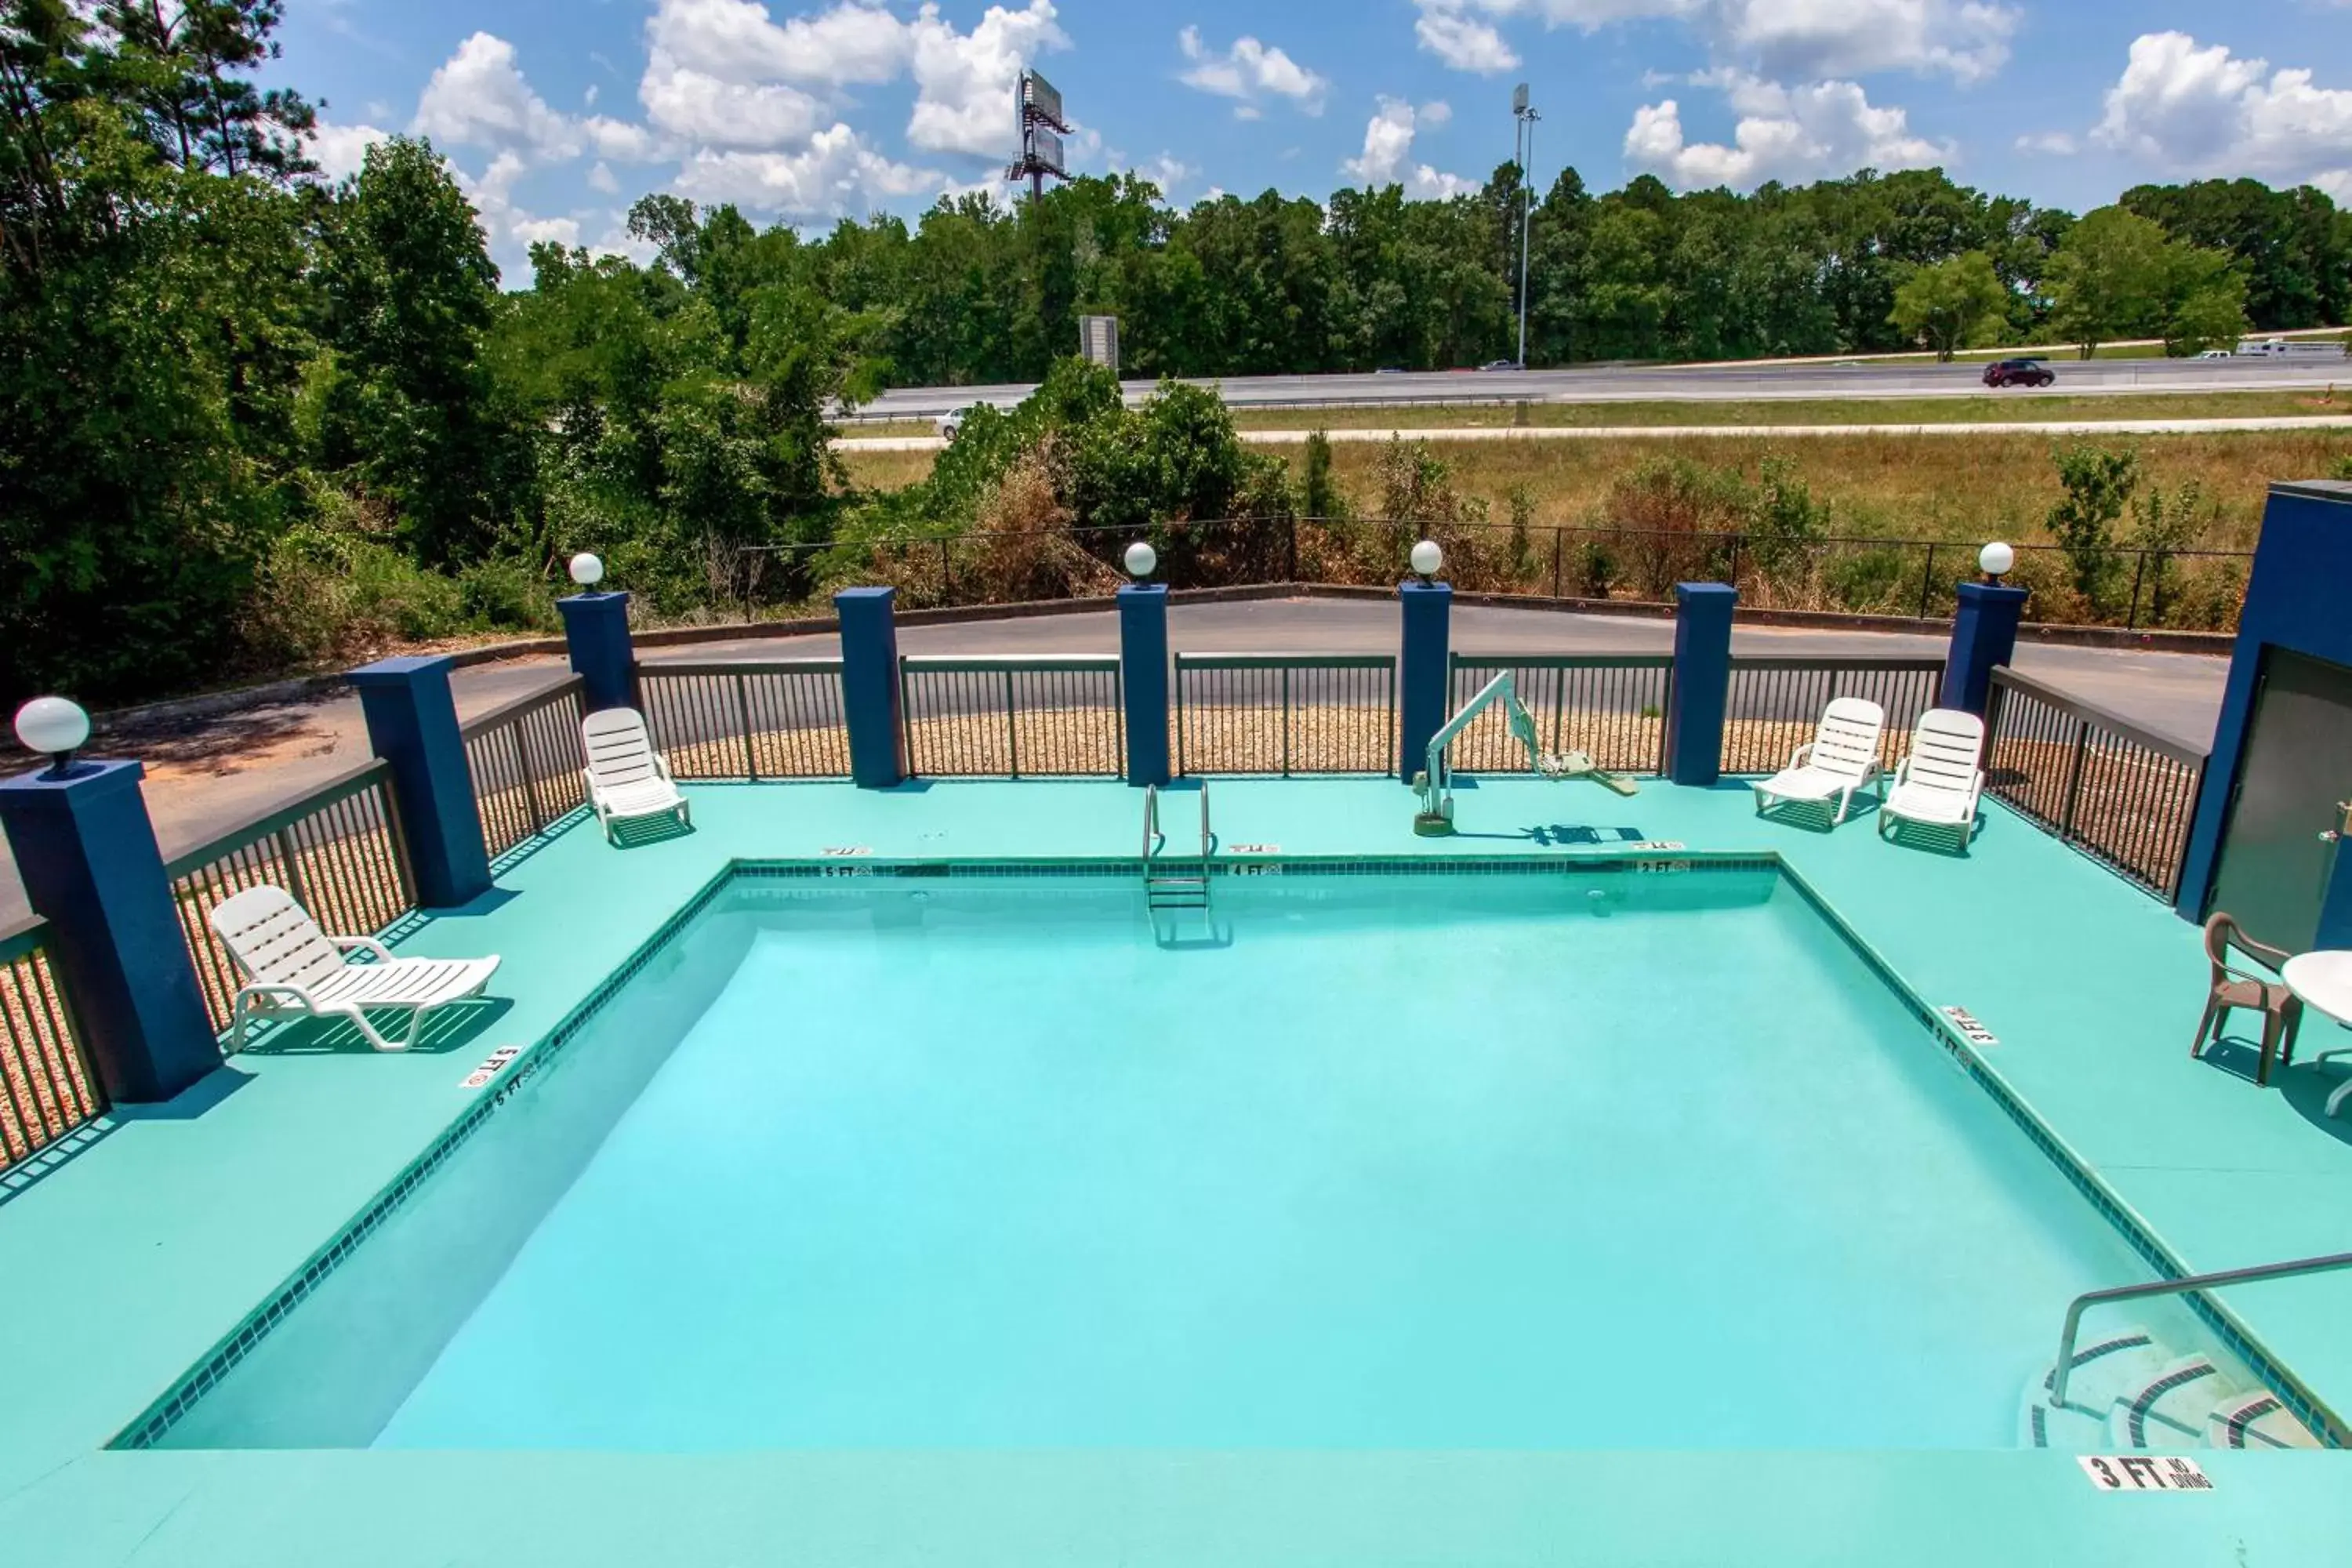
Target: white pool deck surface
<point>133,1253</point>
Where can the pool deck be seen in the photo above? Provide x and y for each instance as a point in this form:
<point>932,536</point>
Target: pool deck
<point>132,1255</point>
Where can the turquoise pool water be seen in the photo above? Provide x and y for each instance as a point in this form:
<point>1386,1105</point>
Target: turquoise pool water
<point>1583,1159</point>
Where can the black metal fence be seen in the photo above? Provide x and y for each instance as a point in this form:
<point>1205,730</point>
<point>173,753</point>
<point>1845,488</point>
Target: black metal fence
<point>526,764</point>
<point>46,1086</point>
<point>1611,707</point>
<point>1011,718</point>
<point>2125,794</point>
<point>337,850</point>
<point>1774,705</point>
<point>775,720</point>
<point>1285,714</point>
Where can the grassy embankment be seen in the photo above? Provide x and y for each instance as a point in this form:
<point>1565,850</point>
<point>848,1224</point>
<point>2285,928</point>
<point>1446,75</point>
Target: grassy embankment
<point>1896,487</point>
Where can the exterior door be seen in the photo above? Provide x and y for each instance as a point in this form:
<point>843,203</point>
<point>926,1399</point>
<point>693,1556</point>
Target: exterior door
<point>2287,816</point>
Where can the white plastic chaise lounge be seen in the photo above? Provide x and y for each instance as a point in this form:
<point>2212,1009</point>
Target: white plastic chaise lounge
<point>1939,783</point>
<point>1841,758</point>
<point>293,966</point>
<point>628,780</point>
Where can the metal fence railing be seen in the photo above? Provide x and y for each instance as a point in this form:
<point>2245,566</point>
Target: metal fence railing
<point>1611,706</point>
<point>773,720</point>
<point>526,760</point>
<point>46,1086</point>
<point>2124,795</point>
<point>1775,704</point>
<point>1011,718</point>
<point>337,850</point>
<point>1285,713</point>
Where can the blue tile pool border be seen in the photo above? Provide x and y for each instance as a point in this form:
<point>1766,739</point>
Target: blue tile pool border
<point>158,1419</point>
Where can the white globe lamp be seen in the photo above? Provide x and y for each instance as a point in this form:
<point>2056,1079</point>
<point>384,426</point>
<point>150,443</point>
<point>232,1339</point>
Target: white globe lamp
<point>586,569</point>
<point>54,728</point>
<point>1997,560</point>
<point>1141,560</point>
<point>1427,559</point>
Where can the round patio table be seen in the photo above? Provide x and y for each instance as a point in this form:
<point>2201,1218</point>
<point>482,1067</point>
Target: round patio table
<point>2324,981</point>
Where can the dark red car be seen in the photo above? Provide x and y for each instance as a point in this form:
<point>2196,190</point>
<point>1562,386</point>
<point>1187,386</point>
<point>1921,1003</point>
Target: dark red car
<point>2019,373</point>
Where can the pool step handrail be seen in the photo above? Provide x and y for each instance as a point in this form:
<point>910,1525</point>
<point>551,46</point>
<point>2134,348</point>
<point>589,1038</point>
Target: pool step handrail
<point>1185,888</point>
<point>2186,1284</point>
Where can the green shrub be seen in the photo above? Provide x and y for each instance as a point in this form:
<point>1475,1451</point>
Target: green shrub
<point>1868,580</point>
<point>2096,485</point>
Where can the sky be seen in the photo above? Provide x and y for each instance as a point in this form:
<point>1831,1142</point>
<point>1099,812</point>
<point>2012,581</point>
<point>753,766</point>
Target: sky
<point>556,114</point>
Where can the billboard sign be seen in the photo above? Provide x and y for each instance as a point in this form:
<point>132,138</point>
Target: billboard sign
<point>1040,98</point>
<point>1098,340</point>
<point>1046,149</point>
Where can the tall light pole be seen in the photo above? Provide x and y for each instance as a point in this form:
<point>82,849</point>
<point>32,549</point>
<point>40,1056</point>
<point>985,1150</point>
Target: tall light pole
<point>1523,152</point>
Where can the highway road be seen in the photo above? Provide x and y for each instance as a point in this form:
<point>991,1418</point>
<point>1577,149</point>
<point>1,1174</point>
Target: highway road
<point>1689,383</point>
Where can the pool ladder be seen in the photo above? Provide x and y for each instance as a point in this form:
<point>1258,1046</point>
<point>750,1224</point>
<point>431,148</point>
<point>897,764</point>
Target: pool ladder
<point>1174,884</point>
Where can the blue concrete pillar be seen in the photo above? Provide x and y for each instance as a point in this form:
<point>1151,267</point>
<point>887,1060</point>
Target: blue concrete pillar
<point>596,628</point>
<point>1702,683</point>
<point>412,723</point>
<point>1143,679</point>
<point>1984,633</point>
<point>86,853</point>
<point>1421,671</point>
<point>869,684</point>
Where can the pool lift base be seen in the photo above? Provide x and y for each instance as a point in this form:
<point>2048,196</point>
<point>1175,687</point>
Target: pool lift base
<point>1435,783</point>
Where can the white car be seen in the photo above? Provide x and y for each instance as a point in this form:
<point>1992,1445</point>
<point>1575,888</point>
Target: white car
<point>2216,353</point>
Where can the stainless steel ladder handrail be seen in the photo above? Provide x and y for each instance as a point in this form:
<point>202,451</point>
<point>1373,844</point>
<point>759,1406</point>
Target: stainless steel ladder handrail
<point>2182,1286</point>
<point>1151,832</point>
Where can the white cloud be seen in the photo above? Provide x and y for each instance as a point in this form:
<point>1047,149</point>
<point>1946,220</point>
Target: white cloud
<point>1783,133</point>
<point>1781,39</point>
<point>2190,110</point>
<point>1166,172</point>
<point>1461,40</point>
<point>602,178</point>
<point>699,106</point>
<point>339,150</point>
<point>1388,151</point>
<point>1250,70</point>
<point>964,82</point>
<point>477,97</point>
<point>511,229</point>
<point>836,175</point>
<point>1436,112</point>
<point>735,40</point>
<point>2047,144</point>
<point>725,73</point>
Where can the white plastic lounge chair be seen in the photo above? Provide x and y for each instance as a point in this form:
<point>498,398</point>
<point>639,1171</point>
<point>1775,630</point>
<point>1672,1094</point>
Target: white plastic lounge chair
<point>291,966</point>
<point>1842,757</point>
<point>627,779</point>
<point>1939,783</point>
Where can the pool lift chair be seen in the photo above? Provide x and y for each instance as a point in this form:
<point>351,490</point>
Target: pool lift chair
<point>1435,782</point>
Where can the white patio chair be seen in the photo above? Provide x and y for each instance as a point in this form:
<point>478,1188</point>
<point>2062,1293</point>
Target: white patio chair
<point>291,966</point>
<point>1939,780</point>
<point>1841,758</point>
<point>627,779</point>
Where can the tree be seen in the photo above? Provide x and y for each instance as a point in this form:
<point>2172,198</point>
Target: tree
<point>409,294</point>
<point>1951,304</point>
<point>2201,300</point>
<point>2106,279</point>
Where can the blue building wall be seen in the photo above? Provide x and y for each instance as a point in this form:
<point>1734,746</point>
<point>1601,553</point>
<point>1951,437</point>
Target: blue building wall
<point>2299,598</point>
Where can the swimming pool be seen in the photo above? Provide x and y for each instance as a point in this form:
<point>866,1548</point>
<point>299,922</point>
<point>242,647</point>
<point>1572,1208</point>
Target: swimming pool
<point>1558,1158</point>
